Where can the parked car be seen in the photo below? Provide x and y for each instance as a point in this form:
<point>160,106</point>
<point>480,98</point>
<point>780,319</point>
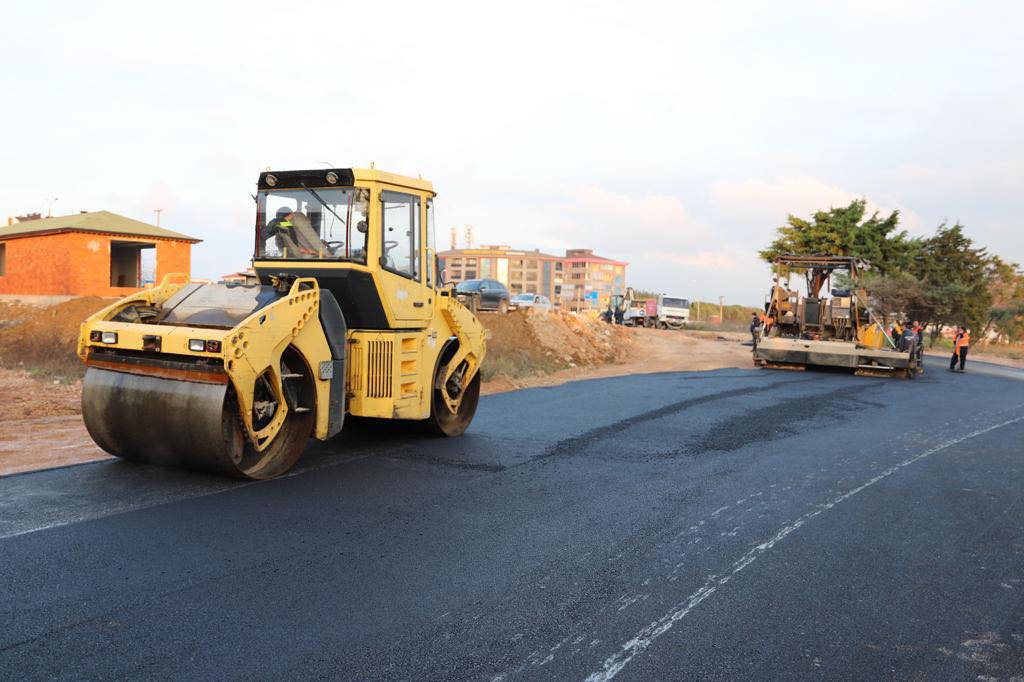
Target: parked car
<point>533,301</point>
<point>483,294</point>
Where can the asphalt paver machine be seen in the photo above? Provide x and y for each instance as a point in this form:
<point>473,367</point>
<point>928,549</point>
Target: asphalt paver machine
<point>829,326</point>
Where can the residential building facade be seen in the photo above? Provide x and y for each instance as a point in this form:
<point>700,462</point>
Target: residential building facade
<point>579,281</point>
<point>591,280</point>
<point>531,272</point>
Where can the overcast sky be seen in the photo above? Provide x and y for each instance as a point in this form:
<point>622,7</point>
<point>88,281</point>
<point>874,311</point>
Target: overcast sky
<point>673,135</point>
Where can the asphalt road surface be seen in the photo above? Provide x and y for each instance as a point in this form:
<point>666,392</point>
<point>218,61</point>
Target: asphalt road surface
<point>729,524</point>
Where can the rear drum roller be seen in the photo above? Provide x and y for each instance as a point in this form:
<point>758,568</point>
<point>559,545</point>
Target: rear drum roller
<point>197,425</point>
<point>443,421</point>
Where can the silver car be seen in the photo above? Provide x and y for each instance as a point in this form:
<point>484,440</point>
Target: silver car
<point>532,301</point>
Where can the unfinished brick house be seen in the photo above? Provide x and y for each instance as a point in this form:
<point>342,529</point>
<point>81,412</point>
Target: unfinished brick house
<point>96,253</point>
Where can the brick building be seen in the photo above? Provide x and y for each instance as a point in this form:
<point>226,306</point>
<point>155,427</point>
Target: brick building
<point>94,253</point>
<point>531,272</point>
<point>579,280</point>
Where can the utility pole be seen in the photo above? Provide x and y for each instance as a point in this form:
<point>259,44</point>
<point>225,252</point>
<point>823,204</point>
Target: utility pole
<point>468,238</point>
<point>49,211</point>
<point>157,211</point>
<point>455,238</point>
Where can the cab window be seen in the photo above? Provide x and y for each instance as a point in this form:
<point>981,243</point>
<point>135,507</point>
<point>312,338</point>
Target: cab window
<point>430,243</point>
<point>400,236</point>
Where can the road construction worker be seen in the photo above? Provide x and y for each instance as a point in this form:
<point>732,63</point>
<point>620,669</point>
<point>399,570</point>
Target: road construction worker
<point>919,345</point>
<point>896,332</point>
<point>755,327</point>
<point>961,344</point>
<point>919,330</point>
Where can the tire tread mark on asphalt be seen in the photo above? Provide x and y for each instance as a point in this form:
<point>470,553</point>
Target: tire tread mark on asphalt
<point>575,444</point>
<point>775,421</point>
<point>447,461</point>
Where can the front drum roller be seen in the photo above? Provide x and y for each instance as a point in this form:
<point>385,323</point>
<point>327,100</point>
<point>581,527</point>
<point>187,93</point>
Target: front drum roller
<point>194,425</point>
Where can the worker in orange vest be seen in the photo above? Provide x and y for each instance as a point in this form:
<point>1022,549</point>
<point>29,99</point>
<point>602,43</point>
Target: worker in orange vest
<point>961,344</point>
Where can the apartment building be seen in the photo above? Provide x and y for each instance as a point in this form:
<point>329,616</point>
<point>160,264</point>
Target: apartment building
<point>532,272</point>
<point>591,280</point>
<point>579,280</point>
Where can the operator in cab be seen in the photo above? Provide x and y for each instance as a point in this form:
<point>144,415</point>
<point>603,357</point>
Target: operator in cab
<point>294,234</point>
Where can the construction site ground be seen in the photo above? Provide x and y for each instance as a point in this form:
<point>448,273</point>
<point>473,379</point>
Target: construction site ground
<point>40,375</point>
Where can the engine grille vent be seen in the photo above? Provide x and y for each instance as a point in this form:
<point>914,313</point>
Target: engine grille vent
<point>355,368</point>
<point>380,357</point>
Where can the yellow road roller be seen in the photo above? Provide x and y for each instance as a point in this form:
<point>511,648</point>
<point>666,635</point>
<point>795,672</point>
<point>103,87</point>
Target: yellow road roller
<point>348,317</point>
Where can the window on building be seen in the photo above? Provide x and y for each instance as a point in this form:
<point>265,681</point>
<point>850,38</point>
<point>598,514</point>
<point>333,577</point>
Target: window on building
<point>3,259</point>
<point>126,264</point>
<point>457,262</point>
<point>531,277</point>
<point>469,274</point>
<point>401,233</point>
<point>558,266</point>
<point>471,261</point>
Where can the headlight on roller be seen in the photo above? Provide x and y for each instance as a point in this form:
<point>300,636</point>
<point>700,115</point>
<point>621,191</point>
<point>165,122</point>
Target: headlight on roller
<point>108,337</point>
<point>197,345</point>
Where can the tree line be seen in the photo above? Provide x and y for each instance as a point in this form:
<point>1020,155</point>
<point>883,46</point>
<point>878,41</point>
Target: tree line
<point>941,280</point>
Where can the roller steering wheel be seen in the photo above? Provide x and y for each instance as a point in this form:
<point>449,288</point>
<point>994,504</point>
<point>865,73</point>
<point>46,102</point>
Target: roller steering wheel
<point>388,245</point>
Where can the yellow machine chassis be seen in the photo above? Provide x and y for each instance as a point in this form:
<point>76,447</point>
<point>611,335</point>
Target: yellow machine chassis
<point>389,373</point>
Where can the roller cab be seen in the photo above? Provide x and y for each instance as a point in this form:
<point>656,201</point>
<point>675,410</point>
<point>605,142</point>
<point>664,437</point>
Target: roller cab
<point>347,319</point>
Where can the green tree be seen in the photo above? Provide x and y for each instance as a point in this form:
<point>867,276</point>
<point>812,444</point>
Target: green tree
<point>1005,283</point>
<point>954,277</point>
<point>845,231</point>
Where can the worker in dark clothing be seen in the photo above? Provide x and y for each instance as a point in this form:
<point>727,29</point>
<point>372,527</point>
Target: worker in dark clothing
<point>755,327</point>
<point>961,344</point>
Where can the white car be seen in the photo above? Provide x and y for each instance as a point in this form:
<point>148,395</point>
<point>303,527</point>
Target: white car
<point>532,301</point>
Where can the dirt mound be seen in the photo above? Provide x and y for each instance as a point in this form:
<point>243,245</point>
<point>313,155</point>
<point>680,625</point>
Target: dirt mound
<point>44,340</point>
<point>523,344</point>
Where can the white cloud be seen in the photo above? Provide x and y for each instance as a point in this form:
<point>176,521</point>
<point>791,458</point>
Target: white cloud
<point>724,260</point>
<point>769,202</point>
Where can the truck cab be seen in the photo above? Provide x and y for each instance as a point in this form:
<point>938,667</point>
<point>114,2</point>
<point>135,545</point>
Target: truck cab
<point>668,312</point>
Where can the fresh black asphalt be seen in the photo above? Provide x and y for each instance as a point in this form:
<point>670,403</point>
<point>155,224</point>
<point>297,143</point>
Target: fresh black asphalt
<point>736,524</point>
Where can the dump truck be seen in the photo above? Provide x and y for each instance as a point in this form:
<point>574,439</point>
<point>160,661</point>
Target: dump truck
<point>348,318</point>
<point>667,312</point>
<point>828,326</point>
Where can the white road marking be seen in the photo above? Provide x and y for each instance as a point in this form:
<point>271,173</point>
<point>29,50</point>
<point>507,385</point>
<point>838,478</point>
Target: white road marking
<point>614,664</point>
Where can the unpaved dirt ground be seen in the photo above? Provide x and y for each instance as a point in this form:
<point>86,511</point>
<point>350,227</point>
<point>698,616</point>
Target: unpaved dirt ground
<point>41,424</point>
